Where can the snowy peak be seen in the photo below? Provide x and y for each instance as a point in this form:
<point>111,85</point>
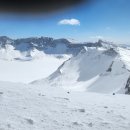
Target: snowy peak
<point>45,45</point>
<point>48,45</point>
<point>107,44</point>
<point>4,40</point>
<point>95,70</point>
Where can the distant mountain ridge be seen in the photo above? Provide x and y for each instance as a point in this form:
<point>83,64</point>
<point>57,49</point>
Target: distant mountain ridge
<point>47,44</point>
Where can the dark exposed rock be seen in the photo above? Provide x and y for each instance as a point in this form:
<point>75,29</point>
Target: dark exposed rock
<point>110,52</point>
<point>29,121</point>
<point>110,67</point>
<point>82,110</point>
<point>4,40</point>
<point>113,94</point>
<point>127,87</point>
<point>1,93</point>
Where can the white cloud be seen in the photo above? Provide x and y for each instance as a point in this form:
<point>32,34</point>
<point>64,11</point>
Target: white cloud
<point>69,22</point>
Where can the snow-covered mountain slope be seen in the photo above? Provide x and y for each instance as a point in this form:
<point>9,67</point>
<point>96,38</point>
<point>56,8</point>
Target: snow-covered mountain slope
<point>25,60</point>
<point>27,70</point>
<point>26,66</point>
<point>9,53</point>
<point>86,67</point>
<point>33,107</point>
<point>28,59</point>
<point>97,70</point>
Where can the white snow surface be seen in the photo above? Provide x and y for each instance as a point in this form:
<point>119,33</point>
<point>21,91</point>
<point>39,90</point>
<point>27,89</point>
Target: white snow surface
<point>26,69</point>
<point>34,107</point>
<point>8,53</point>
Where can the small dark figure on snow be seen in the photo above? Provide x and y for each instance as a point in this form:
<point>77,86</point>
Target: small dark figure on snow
<point>113,93</point>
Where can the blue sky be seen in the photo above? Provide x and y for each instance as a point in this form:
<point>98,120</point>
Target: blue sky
<point>106,19</point>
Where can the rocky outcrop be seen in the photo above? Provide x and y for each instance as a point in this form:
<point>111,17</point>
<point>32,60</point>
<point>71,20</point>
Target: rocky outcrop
<point>110,67</point>
<point>127,87</point>
<point>110,52</point>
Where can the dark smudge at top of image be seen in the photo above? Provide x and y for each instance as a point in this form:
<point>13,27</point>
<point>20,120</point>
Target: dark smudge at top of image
<point>37,6</point>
